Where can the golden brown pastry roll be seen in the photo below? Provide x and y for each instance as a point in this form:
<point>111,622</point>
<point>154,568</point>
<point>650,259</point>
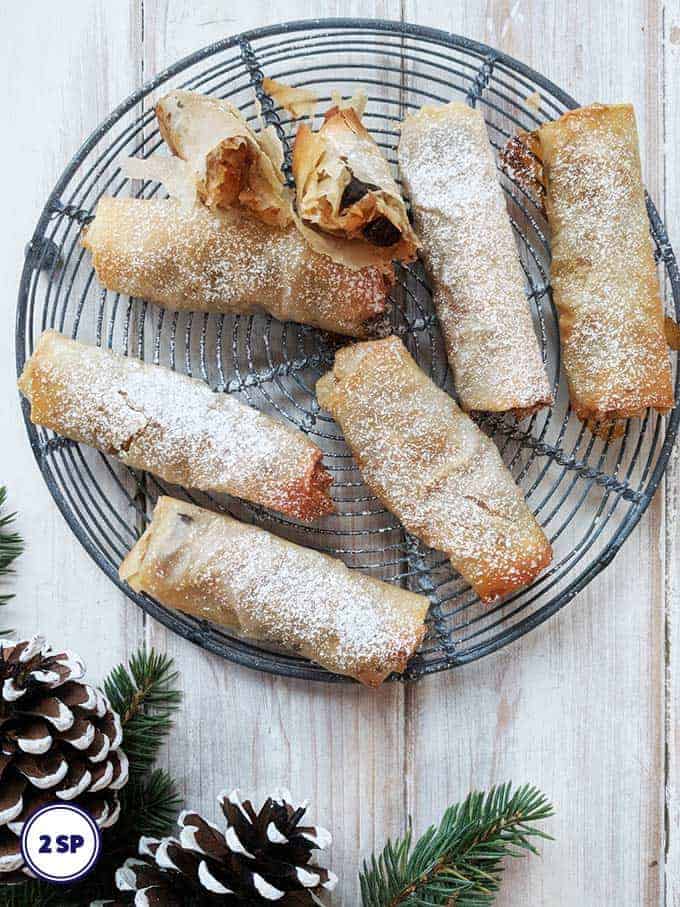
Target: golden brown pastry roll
<point>433,467</point>
<point>154,419</point>
<point>345,186</point>
<point>196,259</point>
<point>603,274</point>
<point>449,173</point>
<point>240,576</point>
<point>231,166</point>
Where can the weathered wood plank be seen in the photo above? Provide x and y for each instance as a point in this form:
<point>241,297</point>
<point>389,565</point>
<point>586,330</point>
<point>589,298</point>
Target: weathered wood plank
<point>671,205</point>
<point>64,68</point>
<point>575,707</point>
<point>340,746</point>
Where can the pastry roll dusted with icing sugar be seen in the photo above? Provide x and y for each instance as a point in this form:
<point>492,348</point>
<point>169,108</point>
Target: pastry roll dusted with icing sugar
<point>231,166</point>
<point>433,467</point>
<point>243,577</point>
<point>603,274</point>
<point>230,262</point>
<point>345,186</point>
<point>157,420</point>
<point>449,173</point>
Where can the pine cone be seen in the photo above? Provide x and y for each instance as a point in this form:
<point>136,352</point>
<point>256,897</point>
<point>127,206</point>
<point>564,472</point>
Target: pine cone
<point>262,857</point>
<point>59,740</point>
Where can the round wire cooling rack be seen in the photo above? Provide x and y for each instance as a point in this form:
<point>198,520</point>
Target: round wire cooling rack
<point>587,492</point>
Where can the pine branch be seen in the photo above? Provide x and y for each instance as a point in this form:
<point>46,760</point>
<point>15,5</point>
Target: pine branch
<point>149,807</point>
<point>30,894</point>
<point>144,697</point>
<point>459,862</point>
<point>11,543</point>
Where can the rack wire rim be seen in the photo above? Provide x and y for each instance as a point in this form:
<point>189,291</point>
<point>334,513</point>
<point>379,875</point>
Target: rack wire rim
<point>240,651</point>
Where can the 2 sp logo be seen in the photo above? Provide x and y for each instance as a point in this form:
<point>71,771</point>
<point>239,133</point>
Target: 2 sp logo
<point>61,843</point>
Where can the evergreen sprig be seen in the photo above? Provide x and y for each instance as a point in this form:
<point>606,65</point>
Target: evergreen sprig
<point>11,543</point>
<point>458,863</point>
<point>144,694</point>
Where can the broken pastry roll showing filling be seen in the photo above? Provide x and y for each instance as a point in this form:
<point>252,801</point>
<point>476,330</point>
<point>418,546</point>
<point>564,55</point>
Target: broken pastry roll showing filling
<point>230,163</point>
<point>228,262</point>
<point>156,420</point>
<point>243,577</point>
<point>449,173</point>
<point>433,467</point>
<point>345,186</point>
<point>603,274</point>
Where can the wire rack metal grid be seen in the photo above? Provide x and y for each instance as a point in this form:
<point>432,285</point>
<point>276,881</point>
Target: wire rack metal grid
<point>587,492</point>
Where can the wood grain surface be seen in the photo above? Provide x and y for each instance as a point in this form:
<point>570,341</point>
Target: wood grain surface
<point>586,706</point>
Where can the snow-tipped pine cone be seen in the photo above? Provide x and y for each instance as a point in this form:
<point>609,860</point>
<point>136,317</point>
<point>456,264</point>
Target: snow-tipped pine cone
<point>259,859</point>
<point>59,740</point>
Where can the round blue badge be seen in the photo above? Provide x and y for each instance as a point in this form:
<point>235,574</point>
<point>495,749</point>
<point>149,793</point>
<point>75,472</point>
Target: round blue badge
<point>61,843</point>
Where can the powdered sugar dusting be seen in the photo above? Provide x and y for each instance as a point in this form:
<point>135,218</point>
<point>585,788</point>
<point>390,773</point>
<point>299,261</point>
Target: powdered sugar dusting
<point>603,272</point>
<point>432,467</point>
<point>303,600</point>
<point>174,426</point>
<point>217,568</point>
<point>449,171</point>
<point>227,262</point>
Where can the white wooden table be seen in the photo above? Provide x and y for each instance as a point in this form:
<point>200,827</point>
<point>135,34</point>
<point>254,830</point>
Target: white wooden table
<point>585,707</point>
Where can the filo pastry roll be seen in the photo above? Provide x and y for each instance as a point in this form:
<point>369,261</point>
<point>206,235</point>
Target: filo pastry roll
<point>345,187</point>
<point>243,577</point>
<point>603,275</point>
<point>191,258</point>
<point>154,419</point>
<point>449,173</point>
<point>433,467</point>
<point>230,162</point>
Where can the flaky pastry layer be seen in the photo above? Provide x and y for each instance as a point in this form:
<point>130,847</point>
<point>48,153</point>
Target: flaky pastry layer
<point>240,576</point>
<point>157,420</point>
<point>450,176</point>
<point>199,260</point>
<point>603,274</point>
<point>433,467</point>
